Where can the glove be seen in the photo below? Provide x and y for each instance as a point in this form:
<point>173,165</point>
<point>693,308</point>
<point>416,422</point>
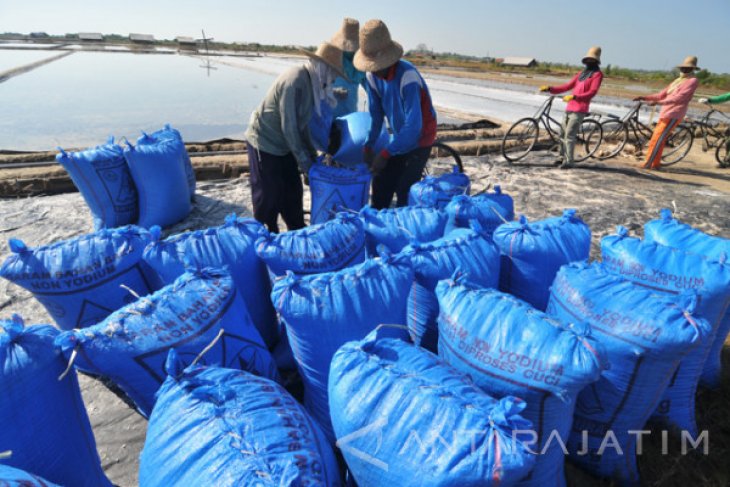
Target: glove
<point>544,88</point>
<point>379,163</point>
<point>704,101</point>
<point>568,98</point>
<point>368,155</point>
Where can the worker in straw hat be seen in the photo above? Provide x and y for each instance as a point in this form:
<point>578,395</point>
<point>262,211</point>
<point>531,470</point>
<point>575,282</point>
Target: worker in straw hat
<point>346,89</point>
<point>396,91</point>
<point>585,86</point>
<point>674,100</point>
<point>281,135</point>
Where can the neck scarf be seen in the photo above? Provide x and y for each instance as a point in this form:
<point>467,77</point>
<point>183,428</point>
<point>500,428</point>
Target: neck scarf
<point>323,78</point>
<point>354,76</point>
<point>588,71</point>
<point>675,84</point>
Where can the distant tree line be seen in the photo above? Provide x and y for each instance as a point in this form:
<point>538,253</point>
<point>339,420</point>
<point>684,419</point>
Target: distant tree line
<point>425,56</point>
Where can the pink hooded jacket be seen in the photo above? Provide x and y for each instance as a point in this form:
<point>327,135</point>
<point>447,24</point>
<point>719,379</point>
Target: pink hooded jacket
<point>674,104</point>
<point>584,91</point>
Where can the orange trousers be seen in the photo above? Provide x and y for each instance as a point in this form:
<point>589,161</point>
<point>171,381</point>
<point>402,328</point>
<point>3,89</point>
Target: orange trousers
<point>662,131</point>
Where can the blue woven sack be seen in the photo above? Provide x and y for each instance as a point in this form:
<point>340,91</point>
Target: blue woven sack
<point>169,133</point>
<point>103,179</point>
<point>354,130</point>
<point>645,335</point>
<point>489,209</point>
<point>12,477</point>
<point>671,271</point>
<point>404,417</point>
<point>162,185</point>
<point>44,423</point>
<point>232,246</point>
<point>79,280</point>
<point>322,312</point>
<point>533,252</point>
<point>228,428</point>
<point>509,348</point>
<point>436,192</point>
<point>337,188</point>
<point>673,233</point>
<point>397,227</point>
<point>326,247</point>
<point>131,345</point>
<point>463,251</point>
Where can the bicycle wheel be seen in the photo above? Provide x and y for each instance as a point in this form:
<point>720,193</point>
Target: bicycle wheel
<point>722,154</point>
<point>587,140</point>
<point>520,139</point>
<point>678,145</point>
<point>615,136</point>
<point>440,151</point>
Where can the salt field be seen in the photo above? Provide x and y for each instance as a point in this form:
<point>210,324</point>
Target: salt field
<point>71,102</point>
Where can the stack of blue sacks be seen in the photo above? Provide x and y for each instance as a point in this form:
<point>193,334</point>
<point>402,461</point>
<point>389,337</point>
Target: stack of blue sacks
<point>150,183</point>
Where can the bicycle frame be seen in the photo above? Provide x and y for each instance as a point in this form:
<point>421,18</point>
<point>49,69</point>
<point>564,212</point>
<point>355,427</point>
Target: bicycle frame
<point>542,115</point>
<point>711,136</point>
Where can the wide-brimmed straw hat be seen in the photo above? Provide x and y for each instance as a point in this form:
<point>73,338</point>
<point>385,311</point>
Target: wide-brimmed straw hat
<point>377,50</point>
<point>594,53</point>
<point>689,62</point>
<point>347,38</point>
<point>327,53</point>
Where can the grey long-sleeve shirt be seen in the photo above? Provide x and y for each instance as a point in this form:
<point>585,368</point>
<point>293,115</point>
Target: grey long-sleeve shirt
<point>279,125</point>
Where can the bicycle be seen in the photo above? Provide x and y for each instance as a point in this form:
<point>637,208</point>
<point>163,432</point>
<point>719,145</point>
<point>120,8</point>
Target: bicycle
<point>711,131</point>
<point>714,135</point>
<point>524,135</point>
<point>440,150</point>
<point>617,131</point>
<point>722,153</point>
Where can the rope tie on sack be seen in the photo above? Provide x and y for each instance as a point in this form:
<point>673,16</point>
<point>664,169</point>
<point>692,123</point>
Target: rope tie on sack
<point>504,220</point>
<point>70,364</point>
<point>209,346</point>
<point>144,299</point>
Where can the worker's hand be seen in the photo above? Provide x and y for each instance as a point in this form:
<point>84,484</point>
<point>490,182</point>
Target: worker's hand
<point>544,88</point>
<point>379,163</point>
<point>638,98</point>
<point>368,155</point>
<point>568,98</point>
<point>704,101</point>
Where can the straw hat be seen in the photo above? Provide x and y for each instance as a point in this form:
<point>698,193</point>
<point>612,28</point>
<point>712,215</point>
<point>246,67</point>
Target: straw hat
<point>329,54</point>
<point>377,50</point>
<point>689,62</point>
<point>347,38</point>
<point>593,53</point>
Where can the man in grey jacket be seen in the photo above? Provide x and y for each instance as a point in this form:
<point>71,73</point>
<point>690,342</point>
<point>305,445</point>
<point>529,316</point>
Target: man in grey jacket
<point>280,143</point>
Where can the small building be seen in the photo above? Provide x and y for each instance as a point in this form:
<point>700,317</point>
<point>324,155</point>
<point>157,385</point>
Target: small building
<point>91,36</point>
<point>520,62</point>
<point>142,38</point>
<point>184,42</point>
<point>38,35</point>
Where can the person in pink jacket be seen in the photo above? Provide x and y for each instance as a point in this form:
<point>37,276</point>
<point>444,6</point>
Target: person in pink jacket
<point>674,100</point>
<point>585,85</point>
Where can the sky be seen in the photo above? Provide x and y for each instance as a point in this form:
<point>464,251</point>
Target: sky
<point>647,34</point>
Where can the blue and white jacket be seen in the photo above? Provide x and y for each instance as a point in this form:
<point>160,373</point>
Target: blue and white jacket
<point>403,98</point>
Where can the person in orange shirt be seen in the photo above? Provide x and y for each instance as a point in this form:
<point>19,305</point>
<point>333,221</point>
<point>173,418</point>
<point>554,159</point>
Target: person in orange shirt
<point>674,100</point>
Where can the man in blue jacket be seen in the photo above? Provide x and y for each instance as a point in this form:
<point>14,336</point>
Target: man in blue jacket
<point>396,91</point>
